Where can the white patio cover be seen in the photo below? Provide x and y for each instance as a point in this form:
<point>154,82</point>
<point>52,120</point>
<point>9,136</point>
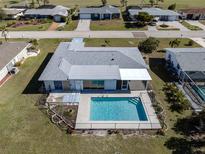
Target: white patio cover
<point>134,74</point>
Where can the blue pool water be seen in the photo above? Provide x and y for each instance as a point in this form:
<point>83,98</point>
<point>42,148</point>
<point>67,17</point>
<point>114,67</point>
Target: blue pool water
<point>200,91</point>
<point>117,109</point>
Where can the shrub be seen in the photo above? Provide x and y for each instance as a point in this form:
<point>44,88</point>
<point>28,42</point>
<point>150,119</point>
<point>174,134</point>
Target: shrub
<point>149,45</point>
<point>190,43</point>
<point>172,7</point>
<point>164,26</point>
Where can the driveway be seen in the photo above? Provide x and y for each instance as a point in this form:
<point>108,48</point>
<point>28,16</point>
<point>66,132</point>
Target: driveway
<point>196,23</point>
<point>152,28</point>
<point>200,41</point>
<point>83,25</point>
<point>174,24</point>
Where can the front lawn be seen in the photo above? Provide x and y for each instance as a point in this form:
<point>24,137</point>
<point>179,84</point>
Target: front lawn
<point>124,42</point>
<point>189,26</point>
<point>71,26</point>
<point>28,25</point>
<point>117,24</point>
<point>26,129</point>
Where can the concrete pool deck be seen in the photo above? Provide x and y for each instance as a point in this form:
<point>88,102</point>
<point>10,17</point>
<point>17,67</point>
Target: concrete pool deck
<point>83,116</point>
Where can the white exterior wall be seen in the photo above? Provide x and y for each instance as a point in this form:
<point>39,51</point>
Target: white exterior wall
<point>3,73</point>
<point>19,57</point>
<point>49,85</point>
<point>173,60</point>
<point>173,18</point>
<point>110,84</point>
<point>85,16</point>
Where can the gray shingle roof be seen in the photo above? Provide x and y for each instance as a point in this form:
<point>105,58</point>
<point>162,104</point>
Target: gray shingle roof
<point>153,11</point>
<point>101,10</point>
<point>58,10</point>
<point>189,59</point>
<point>91,62</point>
<point>9,50</point>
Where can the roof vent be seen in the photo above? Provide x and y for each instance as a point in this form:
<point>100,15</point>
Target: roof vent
<point>112,59</point>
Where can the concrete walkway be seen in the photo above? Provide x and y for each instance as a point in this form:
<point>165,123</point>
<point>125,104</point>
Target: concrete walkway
<point>83,25</point>
<point>196,23</point>
<point>174,24</point>
<point>152,28</point>
<point>200,41</point>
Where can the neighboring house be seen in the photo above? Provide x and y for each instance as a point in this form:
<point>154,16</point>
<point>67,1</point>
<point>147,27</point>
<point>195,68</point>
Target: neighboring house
<point>75,67</point>
<point>13,13</point>
<point>193,13</point>
<point>57,13</point>
<point>186,60</point>
<point>98,13</point>
<point>163,15</point>
<point>10,54</point>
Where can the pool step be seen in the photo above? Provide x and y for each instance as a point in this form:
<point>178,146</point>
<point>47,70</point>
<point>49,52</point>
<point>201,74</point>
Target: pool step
<point>134,101</point>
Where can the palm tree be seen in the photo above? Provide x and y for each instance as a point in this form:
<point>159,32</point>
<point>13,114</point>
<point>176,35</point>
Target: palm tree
<point>4,33</point>
<point>104,2</point>
<point>124,3</point>
<point>45,2</point>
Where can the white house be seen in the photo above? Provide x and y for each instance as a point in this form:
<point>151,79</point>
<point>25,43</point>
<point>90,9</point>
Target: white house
<point>10,54</point>
<point>163,15</point>
<point>13,13</point>
<point>185,60</point>
<point>99,13</point>
<point>57,13</point>
<point>75,67</point>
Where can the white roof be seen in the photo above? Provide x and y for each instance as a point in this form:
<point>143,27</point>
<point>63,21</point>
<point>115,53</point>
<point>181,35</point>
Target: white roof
<point>134,74</point>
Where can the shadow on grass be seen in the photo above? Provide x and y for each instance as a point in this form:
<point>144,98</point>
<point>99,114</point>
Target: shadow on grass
<point>34,85</point>
<point>191,125</point>
<point>184,145</point>
<point>157,65</point>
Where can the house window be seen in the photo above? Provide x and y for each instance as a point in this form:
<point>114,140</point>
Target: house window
<point>58,85</point>
<point>93,84</point>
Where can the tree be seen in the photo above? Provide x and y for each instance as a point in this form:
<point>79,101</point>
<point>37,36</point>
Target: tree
<point>2,14</point>
<point>152,2</point>
<point>124,3</point>
<point>172,7</point>
<point>32,4</point>
<point>34,43</point>
<point>174,43</point>
<point>4,33</point>
<point>45,2</point>
<point>149,45</point>
<point>144,17</point>
<point>104,2</point>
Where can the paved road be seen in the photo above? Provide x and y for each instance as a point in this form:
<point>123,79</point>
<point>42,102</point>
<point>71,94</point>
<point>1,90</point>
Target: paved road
<point>106,34</point>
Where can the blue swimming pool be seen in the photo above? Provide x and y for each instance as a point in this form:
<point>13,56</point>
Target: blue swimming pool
<point>200,91</point>
<point>117,109</point>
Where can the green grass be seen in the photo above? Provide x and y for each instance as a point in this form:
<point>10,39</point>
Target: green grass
<point>112,25</point>
<point>190,27</point>
<point>124,42</point>
<point>25,129</point>
<point>72,25</point>
<point>72,3</point>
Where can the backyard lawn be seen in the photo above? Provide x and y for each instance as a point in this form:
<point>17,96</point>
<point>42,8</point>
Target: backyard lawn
<point>113,25</point>
<point>189,26</point>
<point>25,129</point>
<point>72,3</point>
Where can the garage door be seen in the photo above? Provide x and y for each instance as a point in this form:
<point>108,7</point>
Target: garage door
<point>85,16</point>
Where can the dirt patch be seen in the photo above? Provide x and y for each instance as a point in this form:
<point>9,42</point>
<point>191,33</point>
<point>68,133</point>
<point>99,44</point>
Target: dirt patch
<point>53,26</point>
